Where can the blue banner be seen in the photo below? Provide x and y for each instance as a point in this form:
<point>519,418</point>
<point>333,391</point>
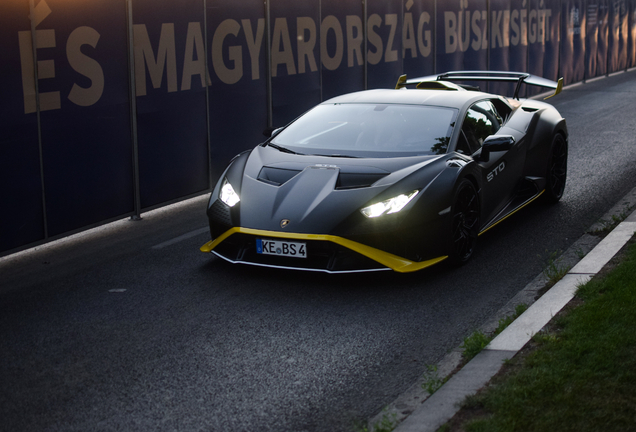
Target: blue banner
<point>21,212</point>
<point>341,47</point>
<point>618,39</point>
<point>544,19</point>
<point>170,83</point>
<point>519,38</point>
<point>602,38</point>
<point>507,42</point>
<point>462,35</point>
<point>573,41</point>
<point>631,51</point>
<point>384,43</point>
<point>85,112</point>
<point>237,41</point>
<point>418,38</point>
<point>295,58</point>
<point>591,38</point>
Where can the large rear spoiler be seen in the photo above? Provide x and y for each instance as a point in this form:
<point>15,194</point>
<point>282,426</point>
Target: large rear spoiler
<point>518,77</point>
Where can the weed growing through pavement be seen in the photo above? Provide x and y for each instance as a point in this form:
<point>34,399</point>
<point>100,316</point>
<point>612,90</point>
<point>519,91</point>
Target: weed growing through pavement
<point>609,225</point>
<point>476,342</point>
<point>554,270</point>
<point>387,424</point>
<point>433,381</point>
<point>473,344</point>
<point>505,322</point>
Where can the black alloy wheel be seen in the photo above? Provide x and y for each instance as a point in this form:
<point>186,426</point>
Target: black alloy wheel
<point>464,223</point>
<point>557,169</point>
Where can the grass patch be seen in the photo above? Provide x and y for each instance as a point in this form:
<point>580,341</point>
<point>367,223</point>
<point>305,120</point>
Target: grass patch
<point>581,379</point>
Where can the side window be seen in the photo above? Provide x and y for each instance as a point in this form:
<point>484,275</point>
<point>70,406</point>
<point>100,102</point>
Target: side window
<point>482,120</point>
<point>462,145</point>
<point>502,109</point>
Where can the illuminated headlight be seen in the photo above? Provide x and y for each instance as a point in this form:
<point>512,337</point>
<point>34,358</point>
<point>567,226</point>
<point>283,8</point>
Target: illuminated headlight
<point>389,206</point>
<point>227,195</point>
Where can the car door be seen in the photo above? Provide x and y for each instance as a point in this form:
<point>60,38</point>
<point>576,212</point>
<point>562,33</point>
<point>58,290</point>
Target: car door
<point>500,173</point>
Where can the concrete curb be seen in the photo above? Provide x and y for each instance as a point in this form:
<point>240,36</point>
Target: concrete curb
<point>444,404</point>
<point>412,399</point>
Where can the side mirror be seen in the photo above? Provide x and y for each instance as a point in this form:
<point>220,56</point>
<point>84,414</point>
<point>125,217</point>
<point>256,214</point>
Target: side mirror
<point>496,143</point>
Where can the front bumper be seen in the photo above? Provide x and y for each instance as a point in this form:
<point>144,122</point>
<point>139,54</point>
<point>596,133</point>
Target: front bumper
<point>326,253</point>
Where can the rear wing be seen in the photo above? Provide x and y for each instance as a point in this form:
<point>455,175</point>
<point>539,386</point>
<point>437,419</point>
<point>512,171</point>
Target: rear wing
<point>433,81</point>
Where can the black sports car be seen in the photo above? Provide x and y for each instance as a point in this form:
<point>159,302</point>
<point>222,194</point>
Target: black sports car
<point>395,179</point>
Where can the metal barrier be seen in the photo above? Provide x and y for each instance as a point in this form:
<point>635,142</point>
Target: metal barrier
<point>112,107</point>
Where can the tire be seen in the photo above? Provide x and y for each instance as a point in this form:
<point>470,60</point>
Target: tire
<point>557,169</point>
<point>465,212</point>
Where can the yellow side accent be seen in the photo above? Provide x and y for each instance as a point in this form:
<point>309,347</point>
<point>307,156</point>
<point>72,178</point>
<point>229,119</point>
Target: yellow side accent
<point>510,214</point>
<point>558,89</point>
<point>394,262</point>
<point>401,82</point>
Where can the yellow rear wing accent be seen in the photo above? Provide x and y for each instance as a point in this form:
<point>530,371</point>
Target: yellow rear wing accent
<point>475,75</point>
<point>557,90</point>
<point>394,262</point>
<point>401,82</point>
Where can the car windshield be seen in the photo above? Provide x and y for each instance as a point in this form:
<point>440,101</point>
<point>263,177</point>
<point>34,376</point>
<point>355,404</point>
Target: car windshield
<point>370,130</point>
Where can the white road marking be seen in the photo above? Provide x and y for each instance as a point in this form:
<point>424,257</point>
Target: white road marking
<point>181,238</point>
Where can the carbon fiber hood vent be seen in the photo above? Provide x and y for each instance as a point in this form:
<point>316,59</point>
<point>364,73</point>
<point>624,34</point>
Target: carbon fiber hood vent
<point>357,180</point>
<point>276,176</point>
<point>348,178</point>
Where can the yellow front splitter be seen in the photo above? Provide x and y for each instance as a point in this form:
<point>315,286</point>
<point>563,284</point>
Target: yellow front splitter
<point>394,262</point>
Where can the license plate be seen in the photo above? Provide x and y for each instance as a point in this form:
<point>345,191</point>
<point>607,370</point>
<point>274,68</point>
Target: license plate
<point>281,248</point>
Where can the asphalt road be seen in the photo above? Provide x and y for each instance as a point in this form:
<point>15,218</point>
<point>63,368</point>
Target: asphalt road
<point>132,328</point>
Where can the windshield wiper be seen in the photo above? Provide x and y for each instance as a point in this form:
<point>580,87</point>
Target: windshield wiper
<point>283,149</point>
<point>337,155</point>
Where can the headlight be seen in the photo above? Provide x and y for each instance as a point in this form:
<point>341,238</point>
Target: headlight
<point>389,206</point>
<point>227,195</point>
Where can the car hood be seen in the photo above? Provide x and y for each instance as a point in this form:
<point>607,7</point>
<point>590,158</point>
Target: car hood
<point>317,193</point>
